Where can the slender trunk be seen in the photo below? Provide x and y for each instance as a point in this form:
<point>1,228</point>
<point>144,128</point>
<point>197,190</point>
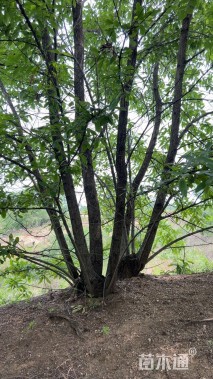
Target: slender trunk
<point>132,233</point>
<point>158,209</point>
<point>120,164</point>
<point>63,244</point>
<point>50,69</point>
<point>82,253</point>
<point>94,215</point>
<point>43,191</point>
<point>148,156</point>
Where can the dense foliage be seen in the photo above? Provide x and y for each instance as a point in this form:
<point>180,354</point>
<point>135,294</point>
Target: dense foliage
<point>110,99</point>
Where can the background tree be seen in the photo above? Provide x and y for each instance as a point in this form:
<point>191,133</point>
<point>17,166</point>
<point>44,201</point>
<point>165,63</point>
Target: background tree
<point>117,103</point>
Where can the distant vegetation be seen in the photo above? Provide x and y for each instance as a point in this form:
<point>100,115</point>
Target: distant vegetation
<point>31,219</point>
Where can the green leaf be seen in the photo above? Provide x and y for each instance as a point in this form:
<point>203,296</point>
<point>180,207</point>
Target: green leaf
<point>3,213</point>
<point>200,186</point>
<point>183,187</point>
<point>101,121</point>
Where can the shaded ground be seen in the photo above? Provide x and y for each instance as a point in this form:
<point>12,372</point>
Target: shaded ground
<point>147,315</point>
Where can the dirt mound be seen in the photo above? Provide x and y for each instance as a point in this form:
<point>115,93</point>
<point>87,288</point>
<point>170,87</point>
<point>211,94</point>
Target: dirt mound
<point>152,327</point>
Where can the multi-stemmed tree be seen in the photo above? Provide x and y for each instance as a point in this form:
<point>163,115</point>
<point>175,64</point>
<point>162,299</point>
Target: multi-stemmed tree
<point>112,97</point>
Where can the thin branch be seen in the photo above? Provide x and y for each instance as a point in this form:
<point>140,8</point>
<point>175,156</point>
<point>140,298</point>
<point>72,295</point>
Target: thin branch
<point>17,163</point>
<point>28,22</point>
<point>177,240</point>
<point>191,123</point>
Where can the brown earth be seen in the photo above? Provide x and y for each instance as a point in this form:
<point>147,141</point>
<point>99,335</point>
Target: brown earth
<point>104,339</point>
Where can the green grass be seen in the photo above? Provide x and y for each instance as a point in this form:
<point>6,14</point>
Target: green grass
<point>196,262</point>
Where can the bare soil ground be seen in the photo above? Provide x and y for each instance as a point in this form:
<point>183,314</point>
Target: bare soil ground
<point>104,339</point>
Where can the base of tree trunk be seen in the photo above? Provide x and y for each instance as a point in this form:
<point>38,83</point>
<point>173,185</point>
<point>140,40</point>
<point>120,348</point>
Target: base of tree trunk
<point>129,267</point>
<point>98,284</point>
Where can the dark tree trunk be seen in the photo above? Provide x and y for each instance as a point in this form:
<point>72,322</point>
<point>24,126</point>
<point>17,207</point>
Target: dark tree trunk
<point>42,188</point>
<point>121,169</point>
<point>148,156</point>
<point>174,142</point>
<point>132,265</point>
<point>94,216</point>
<point>89,276</point>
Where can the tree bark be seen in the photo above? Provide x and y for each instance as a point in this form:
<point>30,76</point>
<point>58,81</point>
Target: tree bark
<point>43,191</point>
<point>120,164</point>
<point>45,47</point>
<point>94,215</point>
<point>88,273</point>
<point>148,156</point>
<point>158,209</point>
